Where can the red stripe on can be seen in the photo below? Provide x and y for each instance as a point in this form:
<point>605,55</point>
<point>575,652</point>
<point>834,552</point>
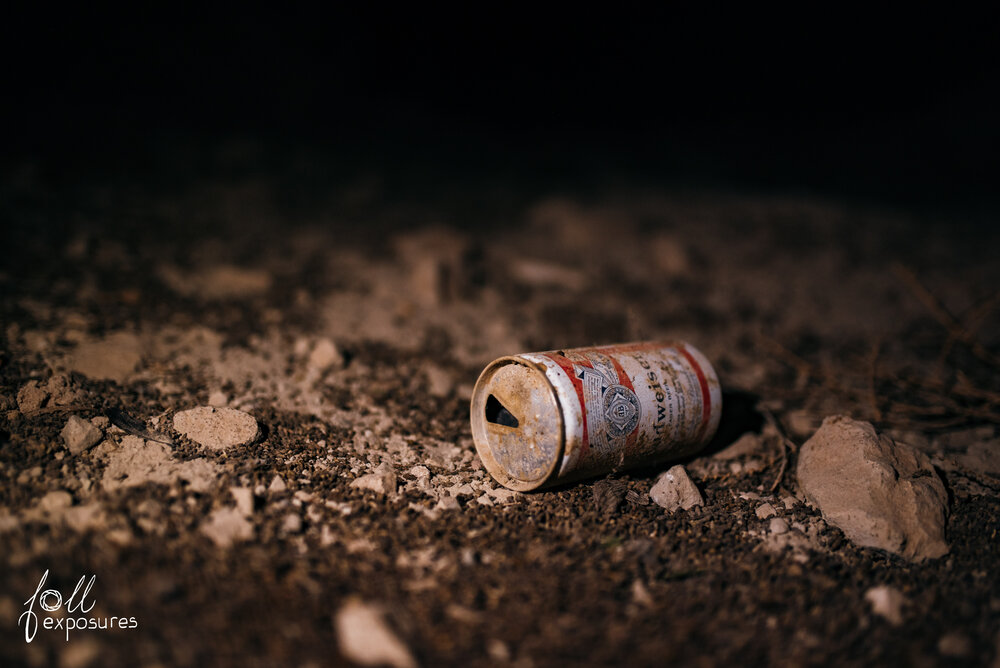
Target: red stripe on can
<point>567,366</point>
<point>706,397</point>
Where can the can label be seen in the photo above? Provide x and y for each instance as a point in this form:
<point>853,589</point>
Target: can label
<point>639,403</point>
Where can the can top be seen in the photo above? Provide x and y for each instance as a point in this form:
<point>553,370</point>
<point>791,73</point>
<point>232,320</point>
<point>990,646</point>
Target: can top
<point>517,423</point>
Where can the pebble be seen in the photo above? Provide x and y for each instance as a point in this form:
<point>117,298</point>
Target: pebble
<point>226,526</point>
<point>291,523</point>
<point>325,355</point>
<point>674,490</point>
<point>778,525</point>
<point>448,503</point>
<point>244,499</point>
<point>218,398</point>
<point>881,494</point>
<point>439,381</point>
<point>766,510</point>
<point>956,645</point>
<point>887,603</point>
<point>747,444</point>
<point>277,485</point>
<point>364,637</point>
<point>79,435</point>
<point>55,501</point>
<point>217,428</point>
<point>800,423</point>
<point>503,495</point>
<point>31,396</point>
<point>382,481</point>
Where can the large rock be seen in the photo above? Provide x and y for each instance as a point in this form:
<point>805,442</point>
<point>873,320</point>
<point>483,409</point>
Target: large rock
<point>880,493</point>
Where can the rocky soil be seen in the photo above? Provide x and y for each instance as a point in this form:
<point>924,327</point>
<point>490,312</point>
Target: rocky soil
<point>249,421</point>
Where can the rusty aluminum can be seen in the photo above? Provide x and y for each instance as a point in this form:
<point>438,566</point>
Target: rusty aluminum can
<point>543,419</point>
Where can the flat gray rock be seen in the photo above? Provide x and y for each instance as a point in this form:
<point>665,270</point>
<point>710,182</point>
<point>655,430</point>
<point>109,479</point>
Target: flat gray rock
<point>217,428</point>
<point>880,493</point>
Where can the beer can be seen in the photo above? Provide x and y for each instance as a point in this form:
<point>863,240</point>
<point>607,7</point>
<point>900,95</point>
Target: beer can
<point>543,419</point>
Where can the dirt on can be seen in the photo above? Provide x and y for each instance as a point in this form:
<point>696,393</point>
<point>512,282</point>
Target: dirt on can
<point>543,419</point>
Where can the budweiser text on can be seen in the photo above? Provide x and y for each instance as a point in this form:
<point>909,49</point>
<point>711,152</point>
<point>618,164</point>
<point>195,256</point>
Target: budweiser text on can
<point>541,419</point>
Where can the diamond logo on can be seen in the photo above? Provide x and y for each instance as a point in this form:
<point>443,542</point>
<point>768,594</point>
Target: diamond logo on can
<point>621,408</point>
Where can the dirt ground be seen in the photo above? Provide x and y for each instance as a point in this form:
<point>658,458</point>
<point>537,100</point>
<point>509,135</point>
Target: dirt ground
<point>353,327</point>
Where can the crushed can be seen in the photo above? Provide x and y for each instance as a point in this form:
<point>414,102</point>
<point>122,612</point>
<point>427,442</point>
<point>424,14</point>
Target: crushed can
<point>544,419</point>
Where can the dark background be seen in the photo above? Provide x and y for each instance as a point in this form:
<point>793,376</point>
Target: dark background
<point>897,110</point>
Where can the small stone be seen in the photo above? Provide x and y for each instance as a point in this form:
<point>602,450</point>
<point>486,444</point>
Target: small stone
<point>674,490</point>
<point>325,355</point>
<point>765,510</point>
<point>80,653</point>
<point>800,423</point>
<point>55,501</point>
<point>881,494</point>
<point>886,602</point>
<point>227,525</point>
<point>503,495</point>
<point>955,644</point>
<point>31,396</point>
<point>218,399</point>
<point>291,523</point>
<point>439,381</point>
<point>420,472</point>
<point>382,481</point>
<point>448,503</point>
<point>498,650</point>
<point>277,485</point>
<point>217,428</point>
<point>778,525</point>
<point>641,595</point>
<point>61,390</point>
<point>101,422</point>
<point>747,444</point>
<point>364,637</point>
<point>244,499</point>
<point>79,435</point>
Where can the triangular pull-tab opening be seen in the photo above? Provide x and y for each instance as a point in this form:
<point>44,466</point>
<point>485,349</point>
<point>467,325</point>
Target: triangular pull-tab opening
<point>497,413</point>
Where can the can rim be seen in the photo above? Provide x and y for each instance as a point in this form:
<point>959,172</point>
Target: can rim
<point>480,438</point>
